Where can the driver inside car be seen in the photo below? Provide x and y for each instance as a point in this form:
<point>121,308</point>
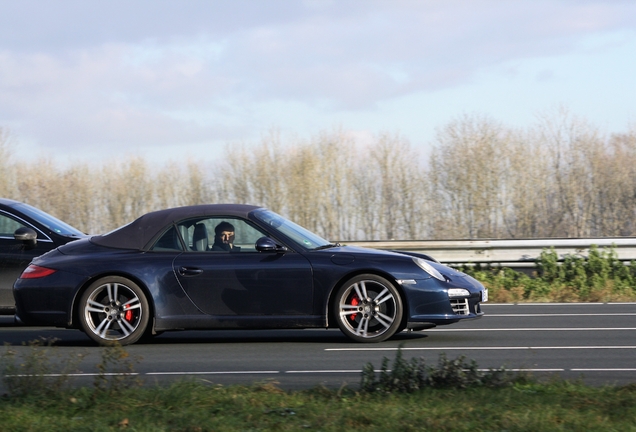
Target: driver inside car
<point>224,238</point>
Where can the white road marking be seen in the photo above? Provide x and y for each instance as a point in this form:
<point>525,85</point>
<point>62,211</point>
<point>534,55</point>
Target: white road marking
<point>531,329</point>
<point>212,373</point>
<point>324,371</point>
<point>349,371</point>
<point>488,304</point>
<point>529,370</point>
<point>53,375</point>
<point>556,315</point>
<point>502,348</point>
<point>605,370</point>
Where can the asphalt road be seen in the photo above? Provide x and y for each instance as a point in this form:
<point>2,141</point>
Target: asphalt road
<point>593,342</point>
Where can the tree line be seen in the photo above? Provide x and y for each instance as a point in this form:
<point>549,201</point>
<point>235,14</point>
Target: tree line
<point>560,177</point>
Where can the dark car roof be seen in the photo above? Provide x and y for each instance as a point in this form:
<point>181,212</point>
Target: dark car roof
<point>138,233</point>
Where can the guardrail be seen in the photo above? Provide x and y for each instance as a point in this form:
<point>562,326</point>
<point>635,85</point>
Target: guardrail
<point>517,254</point>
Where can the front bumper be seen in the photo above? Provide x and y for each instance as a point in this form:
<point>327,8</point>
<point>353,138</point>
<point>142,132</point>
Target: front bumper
<point>429,303</point>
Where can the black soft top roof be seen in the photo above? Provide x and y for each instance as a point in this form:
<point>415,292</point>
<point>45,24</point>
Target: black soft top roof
<point>138,233</point>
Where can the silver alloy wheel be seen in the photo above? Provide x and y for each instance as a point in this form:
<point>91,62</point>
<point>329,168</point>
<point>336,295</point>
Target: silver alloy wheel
<point>369,309</point>
<point>114,309</point>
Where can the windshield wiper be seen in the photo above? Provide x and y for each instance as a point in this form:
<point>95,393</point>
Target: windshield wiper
<point>328,246</point>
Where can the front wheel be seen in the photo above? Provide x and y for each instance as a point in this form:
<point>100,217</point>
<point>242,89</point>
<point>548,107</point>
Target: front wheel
<point>368,308</point>
<point>114,309</point>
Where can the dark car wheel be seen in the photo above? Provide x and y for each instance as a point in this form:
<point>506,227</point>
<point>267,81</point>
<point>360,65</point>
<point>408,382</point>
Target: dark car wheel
<point>114,309</point>
<point>368,308</point>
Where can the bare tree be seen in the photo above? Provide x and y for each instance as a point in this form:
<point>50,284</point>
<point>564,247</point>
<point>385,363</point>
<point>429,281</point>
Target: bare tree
<point>75,192</point>
<point>531,209</point>
<point>400,180</point>
<point>573,146</point>
<point>467,169</point>
<point>253,174</point>
<point>336,152</point>
<point>6,171</point>
<point>128,191</point>
<point>615,194</point>
<point>560,177</point>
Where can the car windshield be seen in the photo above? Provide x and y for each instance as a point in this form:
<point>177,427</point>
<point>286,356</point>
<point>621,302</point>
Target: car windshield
<point>298,234</point>
<point>49,221</point>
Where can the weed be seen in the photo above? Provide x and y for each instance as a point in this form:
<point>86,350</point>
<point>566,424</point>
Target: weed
<point>30,373</point>
<point>458,373</point>
<point>116,370</point>
<point>40,370</point>
<point>410,376</point>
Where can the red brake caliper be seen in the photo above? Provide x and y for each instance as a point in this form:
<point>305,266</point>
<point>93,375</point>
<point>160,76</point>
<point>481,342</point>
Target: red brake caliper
<point>354,302</point>
<point>128,316</point>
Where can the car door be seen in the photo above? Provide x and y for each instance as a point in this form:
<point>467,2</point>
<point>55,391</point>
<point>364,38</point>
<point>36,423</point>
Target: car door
<point>242,281</point>
<point>15,256</point>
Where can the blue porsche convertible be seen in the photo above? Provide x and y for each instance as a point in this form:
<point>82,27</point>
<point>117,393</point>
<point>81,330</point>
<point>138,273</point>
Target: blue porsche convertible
<point>228,266</point>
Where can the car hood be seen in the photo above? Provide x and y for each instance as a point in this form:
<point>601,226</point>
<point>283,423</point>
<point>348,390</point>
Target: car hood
<point>348,254</point>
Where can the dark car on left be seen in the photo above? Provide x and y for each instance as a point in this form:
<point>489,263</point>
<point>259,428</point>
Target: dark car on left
<point>25,233</point>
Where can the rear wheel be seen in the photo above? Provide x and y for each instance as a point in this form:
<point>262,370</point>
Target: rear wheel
<point>112,309</point>
<point>368,308</point>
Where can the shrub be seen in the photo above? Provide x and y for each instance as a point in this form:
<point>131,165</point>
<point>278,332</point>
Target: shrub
<point>410,376</point>
<point>599,276</point>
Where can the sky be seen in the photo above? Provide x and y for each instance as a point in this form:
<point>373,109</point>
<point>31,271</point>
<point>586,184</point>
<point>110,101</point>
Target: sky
<point>97,81</point>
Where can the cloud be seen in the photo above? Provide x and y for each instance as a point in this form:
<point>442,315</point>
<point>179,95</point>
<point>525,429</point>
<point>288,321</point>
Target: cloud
<point>119,73</point>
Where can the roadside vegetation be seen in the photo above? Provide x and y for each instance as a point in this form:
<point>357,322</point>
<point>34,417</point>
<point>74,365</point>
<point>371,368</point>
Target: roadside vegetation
<point>406,395</point>
<point>559,177</point>
<point>596,277</point>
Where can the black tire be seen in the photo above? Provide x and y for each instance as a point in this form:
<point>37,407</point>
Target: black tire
<point>114,309</point>
<point>368,308</point>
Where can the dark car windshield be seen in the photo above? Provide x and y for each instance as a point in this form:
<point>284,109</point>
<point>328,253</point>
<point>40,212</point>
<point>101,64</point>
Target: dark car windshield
<point>298,234</point>
<point>52,223</point>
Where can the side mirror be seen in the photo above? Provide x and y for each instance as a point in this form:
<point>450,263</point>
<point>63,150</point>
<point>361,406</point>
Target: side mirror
<point>266,244</point>
<point>28,236</point>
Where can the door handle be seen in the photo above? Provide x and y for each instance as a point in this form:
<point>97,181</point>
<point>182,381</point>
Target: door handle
<point>190,271</point>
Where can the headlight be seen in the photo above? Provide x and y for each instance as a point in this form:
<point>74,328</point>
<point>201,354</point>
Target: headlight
<point>458,292</point>
<point>424,265</point>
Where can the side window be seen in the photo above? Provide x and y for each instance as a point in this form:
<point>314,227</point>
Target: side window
<point>246,236</point>
<point>8,226</point>
<point>219,234</point>
<point>169,242</point>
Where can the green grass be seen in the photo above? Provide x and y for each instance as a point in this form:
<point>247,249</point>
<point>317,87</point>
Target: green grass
<point>192,406</point>
<point>403,395</point>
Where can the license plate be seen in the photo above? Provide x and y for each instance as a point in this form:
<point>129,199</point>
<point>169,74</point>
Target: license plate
<point>484,295</point>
